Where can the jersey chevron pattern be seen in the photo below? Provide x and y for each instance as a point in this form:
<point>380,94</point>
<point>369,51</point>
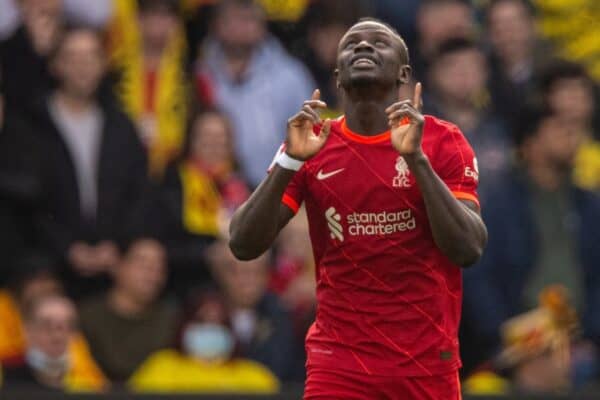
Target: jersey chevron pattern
<point>388,299</point>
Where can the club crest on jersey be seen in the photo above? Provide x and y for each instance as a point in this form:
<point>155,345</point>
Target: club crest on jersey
<point>401,180</point>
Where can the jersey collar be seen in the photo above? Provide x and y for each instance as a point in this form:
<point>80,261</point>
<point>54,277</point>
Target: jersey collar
<point>357,137</point>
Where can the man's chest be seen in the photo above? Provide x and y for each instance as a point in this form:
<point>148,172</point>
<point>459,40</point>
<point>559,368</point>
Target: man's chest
<point>357,178</point>
<point>363,194</point>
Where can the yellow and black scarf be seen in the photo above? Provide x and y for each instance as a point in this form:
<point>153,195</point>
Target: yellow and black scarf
<point>171,89</point>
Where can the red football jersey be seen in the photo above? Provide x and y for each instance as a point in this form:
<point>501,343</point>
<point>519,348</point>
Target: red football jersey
<point>388,300</point>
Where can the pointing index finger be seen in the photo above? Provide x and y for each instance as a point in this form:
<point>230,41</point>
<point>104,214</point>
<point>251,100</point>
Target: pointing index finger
<point>316,95</point>
<point>417,101</point>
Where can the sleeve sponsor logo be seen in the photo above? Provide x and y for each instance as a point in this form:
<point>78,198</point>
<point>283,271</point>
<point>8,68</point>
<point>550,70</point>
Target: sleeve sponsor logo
<point>473,172</point>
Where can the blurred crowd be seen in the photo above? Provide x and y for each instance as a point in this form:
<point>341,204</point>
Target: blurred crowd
<point>132,129</point>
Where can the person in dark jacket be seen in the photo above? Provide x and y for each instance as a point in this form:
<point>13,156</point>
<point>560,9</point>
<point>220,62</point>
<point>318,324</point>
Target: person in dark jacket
<point>261,325</point>
<point>24,55</point>
<point>79,166</point>
<point>542,231</point>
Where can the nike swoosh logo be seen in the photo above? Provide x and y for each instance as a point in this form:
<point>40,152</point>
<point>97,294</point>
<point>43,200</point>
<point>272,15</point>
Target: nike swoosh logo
<point>321,175</point>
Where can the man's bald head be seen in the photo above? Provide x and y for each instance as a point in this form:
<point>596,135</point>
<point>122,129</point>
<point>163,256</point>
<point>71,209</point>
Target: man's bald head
<point>374,23</point>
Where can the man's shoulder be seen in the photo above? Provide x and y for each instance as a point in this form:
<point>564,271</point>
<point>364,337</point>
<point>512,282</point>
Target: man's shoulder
<point>588,201</point>
<point>93,307</point>
<point>271,306</point>
<point>167,309</point>
<point>439,127</point>
<point>282,63</point>
<point>116,121</point>
<point>17,376</point>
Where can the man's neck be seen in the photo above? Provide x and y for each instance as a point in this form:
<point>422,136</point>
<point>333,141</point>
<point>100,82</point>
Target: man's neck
<point>51,380</point>
<point>364,110</point>
<point>237,62</point>
<point>152,55</point>
<point>461,113</point>
<point>517,66</point>
<point>124,304</point>
<point>547,177</point>
<point>71,103</point>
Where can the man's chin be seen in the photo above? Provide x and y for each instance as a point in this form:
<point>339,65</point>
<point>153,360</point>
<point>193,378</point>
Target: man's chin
<point>364,79</point>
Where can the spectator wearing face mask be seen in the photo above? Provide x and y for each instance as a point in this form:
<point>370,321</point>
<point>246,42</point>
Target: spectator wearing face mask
<point>206,361</point>
<point>50,325</point>
<point>259,321</point>
<point>33,279</point>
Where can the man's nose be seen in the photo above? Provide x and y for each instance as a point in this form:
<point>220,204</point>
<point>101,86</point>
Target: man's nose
<point>363,45</point>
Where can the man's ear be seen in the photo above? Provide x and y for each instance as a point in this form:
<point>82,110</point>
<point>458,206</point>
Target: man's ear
<point>404,74</point>
<point>336,74</point>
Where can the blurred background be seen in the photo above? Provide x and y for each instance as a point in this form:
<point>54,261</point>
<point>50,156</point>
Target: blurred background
<point>132,129</point>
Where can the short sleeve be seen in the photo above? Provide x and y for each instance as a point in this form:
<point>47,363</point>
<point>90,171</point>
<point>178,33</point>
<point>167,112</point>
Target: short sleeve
<point>294,193</point>
<point>456,164</point>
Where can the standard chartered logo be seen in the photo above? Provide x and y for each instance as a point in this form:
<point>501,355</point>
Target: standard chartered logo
<point>333,222</point>
<point>370,224</point>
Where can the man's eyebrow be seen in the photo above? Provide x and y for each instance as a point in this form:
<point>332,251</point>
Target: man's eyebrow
<point>374,31</point>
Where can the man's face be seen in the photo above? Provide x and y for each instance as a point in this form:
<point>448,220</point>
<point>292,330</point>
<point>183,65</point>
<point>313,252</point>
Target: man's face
<point>324,41</point>
<point>79,63</point>
<point>572,99</point>
<point>38,286</point>
<point>210,141</point>
<point>240,28</point>
<point>556,142</point>
<point>142,273</point>
<point>52,326</point>
<point>157,27</point>
<point>369,53</point>
<point>244,282</point>
<point>41,8</point>
<point>511,29</point>
<point>439,22</point>
<point>460,76</point>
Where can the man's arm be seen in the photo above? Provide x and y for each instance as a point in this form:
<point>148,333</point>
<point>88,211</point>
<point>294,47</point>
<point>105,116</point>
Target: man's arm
<point>257,222</point>
<point>456,225</point>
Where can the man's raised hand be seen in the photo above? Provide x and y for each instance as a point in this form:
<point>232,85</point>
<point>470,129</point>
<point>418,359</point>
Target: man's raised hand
<point>301,142</point>
<point>406,122</point>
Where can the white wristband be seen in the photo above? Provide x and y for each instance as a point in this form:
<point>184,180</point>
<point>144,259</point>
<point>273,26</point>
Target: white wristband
<point>288,162</point>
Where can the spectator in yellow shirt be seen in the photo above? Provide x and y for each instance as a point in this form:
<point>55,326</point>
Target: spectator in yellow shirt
<point>206,361</point>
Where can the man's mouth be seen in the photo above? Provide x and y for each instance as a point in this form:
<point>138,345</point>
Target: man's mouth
<point>363,61</point>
